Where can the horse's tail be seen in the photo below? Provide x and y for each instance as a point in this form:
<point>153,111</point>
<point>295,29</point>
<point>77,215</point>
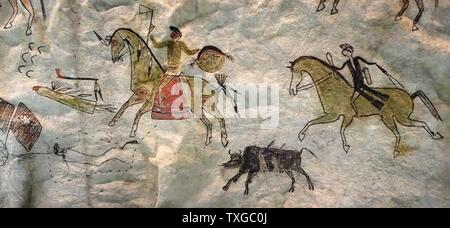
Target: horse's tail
<point>427,103</point>
<point>221,79</point>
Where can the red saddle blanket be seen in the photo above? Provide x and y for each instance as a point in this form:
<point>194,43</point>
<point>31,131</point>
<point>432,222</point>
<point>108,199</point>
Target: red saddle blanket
<point>171,103</point>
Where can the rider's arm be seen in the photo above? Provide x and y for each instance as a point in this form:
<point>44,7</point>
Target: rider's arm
<point>370,63</point>
<point>343,66</point>
<point>187,50</point>
<point>157,44</point>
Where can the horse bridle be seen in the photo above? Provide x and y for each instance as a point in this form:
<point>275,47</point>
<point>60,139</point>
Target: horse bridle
<point>122,53</point>
<point>311,85</point>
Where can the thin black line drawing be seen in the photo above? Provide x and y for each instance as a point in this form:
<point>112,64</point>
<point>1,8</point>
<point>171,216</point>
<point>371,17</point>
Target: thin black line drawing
<point>63,153</point>
<point>405,5</point>
<point>30,59</point>
<point>23,57</point>
<point>322,6</point>
<point>44,12</point>
<point>336,95</point>
<point>256,160</point>
<point>28,73</point>
<point>421,7</point>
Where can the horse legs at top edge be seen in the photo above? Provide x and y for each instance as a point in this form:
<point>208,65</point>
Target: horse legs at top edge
<point>29,7</point>
<point>148,106</point>
<point>421,7</point>
<point>321,5</point>
<point>208,126</point>
<point>402,11</point>
<point>390,123</point>
<point>15,7</point>
<point>345,124</point>
<point>134,100</point>
<point>419,124</point>
<point>328,118</point>
<point>334,10</point>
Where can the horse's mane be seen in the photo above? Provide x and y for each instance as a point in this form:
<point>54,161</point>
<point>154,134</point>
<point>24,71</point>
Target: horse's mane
<point>333,68</point>
<point>143,41</point>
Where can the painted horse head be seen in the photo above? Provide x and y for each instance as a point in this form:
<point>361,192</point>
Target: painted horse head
<point>296,78</point>
<point>118,46</point>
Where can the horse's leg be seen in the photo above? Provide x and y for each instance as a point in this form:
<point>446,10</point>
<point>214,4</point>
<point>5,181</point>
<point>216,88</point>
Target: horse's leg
<point>208,125</point>
<point>15,7</point>
<point>419,15</point>
<point>408,122</point>
<point>29,7</point>
<point>148,106</point>
<point>212,109</point>
<point>390,123</point>
<point>291,175</point>
<point>335,10</point>
<point>345,123</point>
<point>321,5</point>
<point>329,118</point>
<point>134,100</point>
<point>402,11</point>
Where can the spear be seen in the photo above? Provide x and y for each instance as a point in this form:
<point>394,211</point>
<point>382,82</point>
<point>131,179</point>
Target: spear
<point>44,13</point>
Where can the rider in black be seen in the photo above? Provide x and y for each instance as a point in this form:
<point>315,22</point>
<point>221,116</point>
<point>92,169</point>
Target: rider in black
<point>361,89</point>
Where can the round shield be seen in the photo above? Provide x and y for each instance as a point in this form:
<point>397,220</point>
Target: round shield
<point>211,59</point>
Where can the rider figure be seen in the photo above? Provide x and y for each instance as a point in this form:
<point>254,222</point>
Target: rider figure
<point>175,48</point>
<point>360,88</point>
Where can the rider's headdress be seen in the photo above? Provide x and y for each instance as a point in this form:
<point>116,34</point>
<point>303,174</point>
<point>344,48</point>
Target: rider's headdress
<point>176,30</point>
<point>347,47</point>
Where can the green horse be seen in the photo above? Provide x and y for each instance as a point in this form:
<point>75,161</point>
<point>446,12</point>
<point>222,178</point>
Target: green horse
<point>335,95</point>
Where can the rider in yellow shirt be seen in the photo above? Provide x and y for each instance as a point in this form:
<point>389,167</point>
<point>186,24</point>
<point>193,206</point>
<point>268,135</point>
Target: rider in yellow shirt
<point>175,48</point>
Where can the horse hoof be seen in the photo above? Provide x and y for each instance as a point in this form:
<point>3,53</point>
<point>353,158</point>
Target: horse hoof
<point>334,11</point>
<point>225,142</point>
<point>346,148</point>
<point>8,26</point>
<point>301,136</point>
<point>132,134</point>
<point>396,154</point>
<point>438,136</point>
<point>311,187</point>
<point>112,124</point>
<point>226,188</point>
<point>398,18</point>
<point>320,7</point>
<point>29,32</point>
<point>292,190</point>
<point>415,28</point>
